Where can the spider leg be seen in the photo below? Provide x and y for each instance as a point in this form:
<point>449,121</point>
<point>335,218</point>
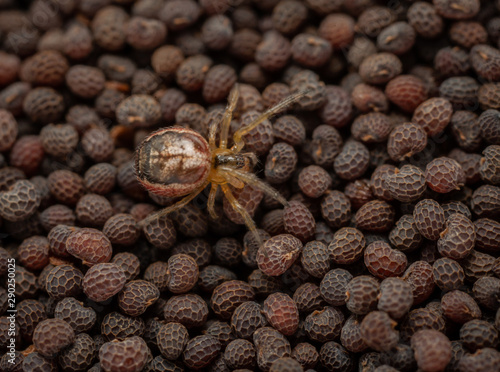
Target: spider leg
<point>228,115</point>
<point>238,136</point>
<point>252,180</point>
<point>242,211</point>
<point>212,131</point>
<point>211,201</point>
<point>178,205</point>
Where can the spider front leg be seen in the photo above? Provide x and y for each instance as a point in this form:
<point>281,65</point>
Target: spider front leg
<point>238,135</point>
<point>178,205</point>
<point>232,101</point>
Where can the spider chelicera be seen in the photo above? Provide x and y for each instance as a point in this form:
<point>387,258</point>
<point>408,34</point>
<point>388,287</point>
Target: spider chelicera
<point>176,162</point>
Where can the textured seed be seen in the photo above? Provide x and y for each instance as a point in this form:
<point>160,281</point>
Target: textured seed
<point>432,349</point>
<point>377,331</point>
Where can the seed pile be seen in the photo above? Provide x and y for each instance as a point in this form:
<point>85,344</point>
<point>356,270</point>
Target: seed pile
<point>387,256</point>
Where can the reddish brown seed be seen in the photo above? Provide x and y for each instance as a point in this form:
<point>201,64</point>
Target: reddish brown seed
<point>397,38</point>
<point>487,234</point>
<point>299,221</point>
<point>433,115</point>
<point>478,334</point>
<point>421,279</point>
<point>461,91</point>
<point>346,246</point>
<point>67,187</point>
<point>326,145</point>
<point>432,349</point>
<point>324,324</point>
<point>280,163</point>
<point>43,105</point>
<point>337,110</point>
<point>336,209</point>
<point>8,130</point>
<point>406,91</point>
<point>352,162</point>
<point>380,68</point>
<point>121,229</point>
<point>278,253</point>
<point>406,140</point>
<point>240,354</point>
<point>310,50</point>
<point>457,239</point>
<point>130,354</point>
<point>103,281</point>
<point>89,245</point>
<point>46,68</point>
<point>161,232</point>
<point>378,331</point>
<point>396,297</point>
<point>51,336</point>
<point>371,127</point>
<point>29,314</point>
<point>482,360</point>
<point>93,210</point>
<point>27,154</point>
<point>247,318</point>
<point>63,281</point>
<point>137,296</point>
<point>424,18</point>
<point>350,336</point>
<point>444,175</point>
<point>448,274</point>
<point>489,125</point>
<point>85,81</point>
<point>382,261</point>
<point>288,15</point>
<point>405,235</point>
<point>368,98</point>
<point>485,201</point>
<point>338,29</point>
<point>460,307</point>
<point>79,317</point>
<point>229,295</point>
<point>362,294</point>
<point>375,216</point>
<point>108,27</point>
<point>200,351</point>
<point>190,310</point>
<point>171,339</point>
<point>282,313</point>
<point>266,355</point>
<point>182,272</point>
<point>59,140</point>
<point>19,202</point>
<point>490,168</point>
<point>407,184</point>
<point>429,219</point>
<point>33,252</point>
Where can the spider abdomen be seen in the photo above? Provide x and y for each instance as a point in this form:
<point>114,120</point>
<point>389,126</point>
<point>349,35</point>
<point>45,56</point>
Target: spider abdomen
<point>173,161</point>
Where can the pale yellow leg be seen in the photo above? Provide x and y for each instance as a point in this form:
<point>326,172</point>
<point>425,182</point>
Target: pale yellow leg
<point>252,180</point>
<point>181,203</point>
<point>239,208</point>
<point>237,138</point>
<point>212,131</point>
<point>228,115</point>
<point>211,201</point>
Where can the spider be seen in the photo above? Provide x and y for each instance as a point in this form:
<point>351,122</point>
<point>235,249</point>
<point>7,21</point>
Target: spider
<point>176,162</point>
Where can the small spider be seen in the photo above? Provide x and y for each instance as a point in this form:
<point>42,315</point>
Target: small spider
<point>176,161</point>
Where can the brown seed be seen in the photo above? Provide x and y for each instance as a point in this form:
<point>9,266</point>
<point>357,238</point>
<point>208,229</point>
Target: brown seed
<point>278,253</point>
<point>130,353</point>
<point>378,331</point>
<point>51,336</point>
<point>432,349</point>
<point>382,261</point>
<point>460,307</point>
